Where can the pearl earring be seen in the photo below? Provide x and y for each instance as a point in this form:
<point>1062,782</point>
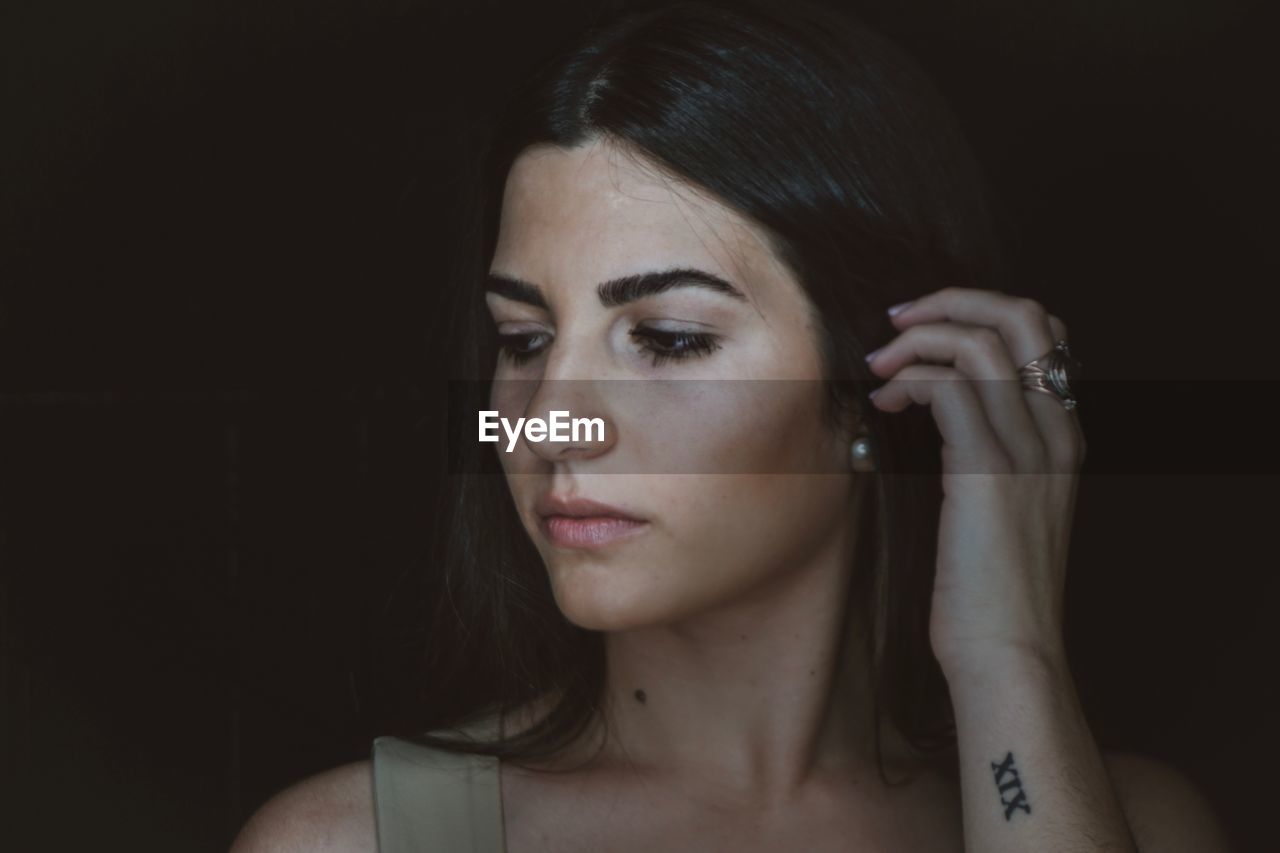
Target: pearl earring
<point>860,451</point>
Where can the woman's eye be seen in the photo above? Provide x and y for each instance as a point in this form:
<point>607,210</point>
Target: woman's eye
<point>517,347</point>
<point>677,345</point>
<point>521,347</point>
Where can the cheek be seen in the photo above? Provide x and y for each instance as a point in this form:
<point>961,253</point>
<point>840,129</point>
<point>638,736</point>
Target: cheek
<point>736,530</point>
<point>735,426</point>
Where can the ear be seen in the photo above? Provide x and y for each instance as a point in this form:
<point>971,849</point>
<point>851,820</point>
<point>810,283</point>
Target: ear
<point>851,416</point>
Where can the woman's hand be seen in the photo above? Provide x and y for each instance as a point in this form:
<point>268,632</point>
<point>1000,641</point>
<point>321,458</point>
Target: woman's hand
<point>1010,457</point>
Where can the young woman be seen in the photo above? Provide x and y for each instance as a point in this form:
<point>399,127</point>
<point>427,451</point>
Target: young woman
<point>769,609</point>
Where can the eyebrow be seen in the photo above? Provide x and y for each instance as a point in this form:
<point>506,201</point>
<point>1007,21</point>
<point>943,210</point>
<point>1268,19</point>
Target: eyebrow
<point>618,291</point>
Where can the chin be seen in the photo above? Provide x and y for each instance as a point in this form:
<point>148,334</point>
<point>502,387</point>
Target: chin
<point>602,598</point>
<point>604,604</point>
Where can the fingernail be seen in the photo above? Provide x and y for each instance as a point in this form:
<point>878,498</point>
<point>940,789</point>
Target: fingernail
<point>873,394</point>
<point>873,353</point>
<point>901,306</point>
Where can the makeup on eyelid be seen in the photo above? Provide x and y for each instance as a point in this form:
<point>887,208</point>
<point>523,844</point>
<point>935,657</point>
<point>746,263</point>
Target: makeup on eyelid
<point>663,345</point>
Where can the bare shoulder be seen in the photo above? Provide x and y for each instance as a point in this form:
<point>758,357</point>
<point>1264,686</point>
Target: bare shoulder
<point>330,812</point>
<point>1167,809</point>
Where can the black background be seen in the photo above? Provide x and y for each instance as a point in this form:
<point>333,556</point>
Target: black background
<point>226,230</point>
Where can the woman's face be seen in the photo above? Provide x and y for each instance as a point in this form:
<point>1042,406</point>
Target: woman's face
<point>738,483</point>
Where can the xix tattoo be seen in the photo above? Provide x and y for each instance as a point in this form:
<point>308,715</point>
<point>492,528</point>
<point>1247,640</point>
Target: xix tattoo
<point>1007,780</point>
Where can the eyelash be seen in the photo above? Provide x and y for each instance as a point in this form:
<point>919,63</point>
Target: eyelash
<point>673,345</point>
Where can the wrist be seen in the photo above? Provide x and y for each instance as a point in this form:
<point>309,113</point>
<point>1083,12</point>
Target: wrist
<point>1004,661</point>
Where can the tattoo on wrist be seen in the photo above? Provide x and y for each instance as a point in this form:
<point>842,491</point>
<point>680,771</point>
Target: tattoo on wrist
<point>1009,784</point>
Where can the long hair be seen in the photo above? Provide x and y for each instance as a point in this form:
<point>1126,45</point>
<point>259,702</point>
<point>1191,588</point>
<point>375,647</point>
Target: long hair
<point>835,143</point>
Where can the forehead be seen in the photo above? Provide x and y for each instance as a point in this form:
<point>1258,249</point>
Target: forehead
<point>598,211</point>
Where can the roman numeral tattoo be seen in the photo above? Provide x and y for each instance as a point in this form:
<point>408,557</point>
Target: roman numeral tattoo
<point>1018,799</point>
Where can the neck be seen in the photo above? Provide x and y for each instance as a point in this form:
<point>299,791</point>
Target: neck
<point>760,697</point>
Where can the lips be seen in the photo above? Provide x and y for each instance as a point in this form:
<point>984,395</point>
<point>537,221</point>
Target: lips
<point>576,507</point>
<point>573,522</point>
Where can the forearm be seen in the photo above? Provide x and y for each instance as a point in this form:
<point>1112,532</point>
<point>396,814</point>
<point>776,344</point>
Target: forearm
<point>1032,777</point>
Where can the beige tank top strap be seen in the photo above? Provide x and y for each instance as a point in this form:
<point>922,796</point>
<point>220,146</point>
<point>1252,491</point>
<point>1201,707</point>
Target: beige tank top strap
<point>429,800</point>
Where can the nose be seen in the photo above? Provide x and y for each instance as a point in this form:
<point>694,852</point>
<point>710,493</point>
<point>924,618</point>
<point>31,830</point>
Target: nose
<point>572,388</point>
<point>578,426</point>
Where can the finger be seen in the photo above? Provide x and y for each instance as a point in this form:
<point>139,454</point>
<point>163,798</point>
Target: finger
<point>970,444</point>
<point>1024,325</point>
<point>980,355</point>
